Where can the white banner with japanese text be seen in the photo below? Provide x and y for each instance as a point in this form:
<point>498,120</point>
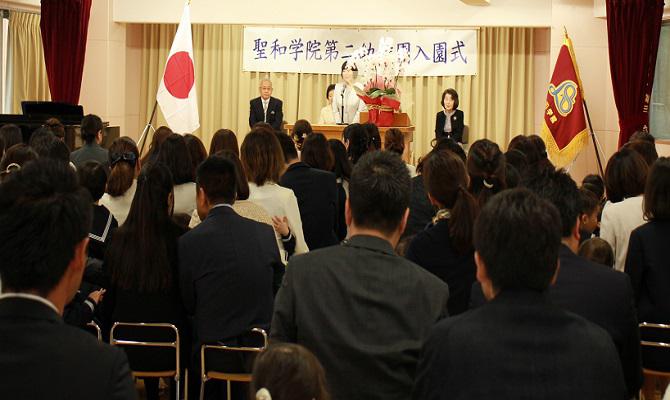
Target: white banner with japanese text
<point>433,52</point>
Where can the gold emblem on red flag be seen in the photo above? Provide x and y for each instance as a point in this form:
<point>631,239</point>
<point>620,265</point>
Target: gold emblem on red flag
<point>564,96</point>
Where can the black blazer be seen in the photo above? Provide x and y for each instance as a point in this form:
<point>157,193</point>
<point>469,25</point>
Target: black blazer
<point>601,295</point>
<point>457,125</point>
<point>228,265</point>
<point>43,358</point>
<point>275,116</point>
<point>519,346</point>
<point>364,312</point>
<point>316,191</point>
<point>433,250</point>
<point>648,266</point>
<point>421,211</point>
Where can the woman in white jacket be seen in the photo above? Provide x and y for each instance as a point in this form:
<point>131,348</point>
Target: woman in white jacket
<point>625,176</point>
<point>345,98</point>
<point>263,162</point>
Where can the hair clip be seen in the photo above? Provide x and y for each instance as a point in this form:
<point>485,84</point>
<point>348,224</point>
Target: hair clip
<point>263,394</point>
<point>11,168</point>
<point>127,157</point>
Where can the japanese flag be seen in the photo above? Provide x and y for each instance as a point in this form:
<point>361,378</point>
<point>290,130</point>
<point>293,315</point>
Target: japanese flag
<point>176,92</point>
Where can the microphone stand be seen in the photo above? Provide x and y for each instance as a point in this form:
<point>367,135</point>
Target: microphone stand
<point>342,112</point>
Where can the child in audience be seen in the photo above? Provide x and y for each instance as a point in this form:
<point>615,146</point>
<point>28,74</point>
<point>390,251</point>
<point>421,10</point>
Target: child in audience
<point>590,215</point>
<point>288,371</point>
<point>598,251</point>
<point>93,177</point>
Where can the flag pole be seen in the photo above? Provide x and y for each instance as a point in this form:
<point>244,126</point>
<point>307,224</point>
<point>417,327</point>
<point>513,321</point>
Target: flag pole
<point>586,108</point>
<point>143,138</point>
<point>593,138</point>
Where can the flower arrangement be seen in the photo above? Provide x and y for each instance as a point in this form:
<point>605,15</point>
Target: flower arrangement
<point>378,75</point>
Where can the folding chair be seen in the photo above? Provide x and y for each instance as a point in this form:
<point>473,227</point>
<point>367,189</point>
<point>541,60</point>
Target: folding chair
<point>653,376</point>
<point>94,330</point>
<point>207,373</point>
<point>148,346</point>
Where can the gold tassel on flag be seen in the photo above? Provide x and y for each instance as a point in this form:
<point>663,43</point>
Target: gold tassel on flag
<point>564,128</point>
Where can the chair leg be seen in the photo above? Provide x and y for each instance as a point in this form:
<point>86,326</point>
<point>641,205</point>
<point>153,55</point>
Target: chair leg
<point>649,387</point>
<point>229,391</point>
<point>185,383</point>
<point>176,384</point>
<point>202,389</point>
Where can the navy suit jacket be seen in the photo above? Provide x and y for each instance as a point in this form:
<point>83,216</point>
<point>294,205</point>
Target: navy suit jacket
<point>275,115</point>
<point>228,265</point>
<point>601,295</point>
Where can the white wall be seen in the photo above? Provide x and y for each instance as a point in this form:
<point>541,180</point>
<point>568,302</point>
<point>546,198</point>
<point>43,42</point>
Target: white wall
<point>531,13</point>
<point>23,5</point>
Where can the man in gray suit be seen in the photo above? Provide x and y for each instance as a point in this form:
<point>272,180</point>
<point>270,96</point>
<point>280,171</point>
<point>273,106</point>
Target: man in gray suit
<point>363,310</point>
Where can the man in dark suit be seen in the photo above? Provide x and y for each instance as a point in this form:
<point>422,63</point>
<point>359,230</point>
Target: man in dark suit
<point>266,108</point>
<point>518,345</point>
<point>228,265</point>
<point>363,310</point>
<point>45,217</point>
<point>593,291</point>
<point>316,191</point>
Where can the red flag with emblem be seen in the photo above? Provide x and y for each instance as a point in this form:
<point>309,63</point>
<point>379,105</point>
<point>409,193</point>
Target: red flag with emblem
<point>564,128</point>
<point>176,92</point>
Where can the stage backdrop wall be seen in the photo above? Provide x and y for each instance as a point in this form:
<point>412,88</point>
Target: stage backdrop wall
<point>497,102</point>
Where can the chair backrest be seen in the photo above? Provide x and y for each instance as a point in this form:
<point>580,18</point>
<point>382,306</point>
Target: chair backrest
<point>94,330</point>
<point>208,367</point>
<point>655,346</point>
<point>466,134</point>
<point>152,348</point>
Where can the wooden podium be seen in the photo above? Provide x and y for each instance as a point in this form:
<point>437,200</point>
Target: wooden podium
<point>400,121</point>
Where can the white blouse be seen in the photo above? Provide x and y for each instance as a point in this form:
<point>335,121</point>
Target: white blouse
<point>617,222</point>
<point>326,116</point>
<point>353,105</point>
<point>279,201</point>
<point>184,198</point>
<point>119,206</point>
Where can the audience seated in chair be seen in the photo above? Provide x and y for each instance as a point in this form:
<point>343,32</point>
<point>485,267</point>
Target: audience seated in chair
<point>229,266</point>
<point>314,188</point>
<point>263,162</point>
<point>363,310</point>
<point>647,262</point>
<point>287,371</point>
<point>592,291</point>
<point>141,262</point>
<point>518,345</point>
<point>91,135</point>
<point>124,161</point>
<point>625,177</point>
<point>44,223</point>
<point>174,154</point>
<point>444,248</point>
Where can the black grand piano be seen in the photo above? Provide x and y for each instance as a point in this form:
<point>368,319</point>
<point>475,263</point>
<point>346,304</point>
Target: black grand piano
<point>35,114</point>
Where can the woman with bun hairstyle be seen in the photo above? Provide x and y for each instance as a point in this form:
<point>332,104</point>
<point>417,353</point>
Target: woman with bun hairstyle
<point>487,169</point>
